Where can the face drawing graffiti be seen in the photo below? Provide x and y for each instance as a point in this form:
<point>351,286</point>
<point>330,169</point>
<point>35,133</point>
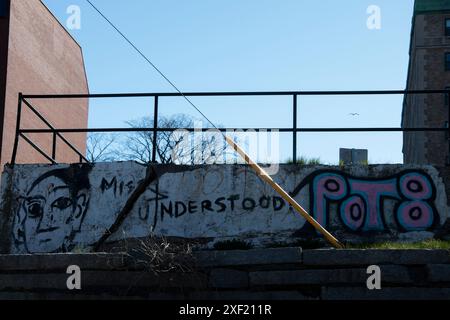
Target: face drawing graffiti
<point>52,211</point>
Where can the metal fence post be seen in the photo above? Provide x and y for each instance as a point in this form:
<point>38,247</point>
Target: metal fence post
<point>54,146</point>
<point>294,127</point>
<point>155,126</point>
<point>16,139</point>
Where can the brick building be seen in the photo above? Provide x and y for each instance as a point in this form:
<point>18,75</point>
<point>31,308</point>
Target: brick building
<point>38,56</point>
<point>429,68</point>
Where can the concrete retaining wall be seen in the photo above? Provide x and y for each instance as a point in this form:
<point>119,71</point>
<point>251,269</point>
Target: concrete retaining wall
<point>63,208</point>
<point>263,274</point>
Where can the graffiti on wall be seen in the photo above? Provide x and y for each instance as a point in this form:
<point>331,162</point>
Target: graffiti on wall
<point>52,209</point>
<point>161,207</point>
<point>361,201</point>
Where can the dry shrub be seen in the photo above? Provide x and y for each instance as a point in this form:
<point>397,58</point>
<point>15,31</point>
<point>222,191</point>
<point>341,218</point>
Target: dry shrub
<point>159,255</point>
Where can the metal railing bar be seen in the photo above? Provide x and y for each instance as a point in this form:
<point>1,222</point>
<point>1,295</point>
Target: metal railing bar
<point>53,130</point>
<point>287,130</point>
<point>224,94</point>
<point>57,133</point>
<point>38,149</point>
<point>18,121</point>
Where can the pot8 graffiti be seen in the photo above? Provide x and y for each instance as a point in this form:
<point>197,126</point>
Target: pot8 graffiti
<point>51,212</point>
<point>361,202</point>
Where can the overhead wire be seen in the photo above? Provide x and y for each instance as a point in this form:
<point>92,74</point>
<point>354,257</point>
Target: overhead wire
<point>158,70</point>
<point>253,164</point>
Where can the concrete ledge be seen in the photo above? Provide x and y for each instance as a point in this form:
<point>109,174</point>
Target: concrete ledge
<point>246,295</point>
<point>438,273</point>
<point>342,293</point>
<point>390,274</point>
<point>113,280</point>
<point>249,257</point>
<point>66,296</point>
<point>228,279</point>
<point>267,274</point>
<point>49,262</point>
<point>305,277</point>
<point>143,279</point>
<point>333,257</point>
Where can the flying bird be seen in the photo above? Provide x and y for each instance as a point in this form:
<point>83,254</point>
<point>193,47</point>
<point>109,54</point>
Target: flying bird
<point>353,114</point>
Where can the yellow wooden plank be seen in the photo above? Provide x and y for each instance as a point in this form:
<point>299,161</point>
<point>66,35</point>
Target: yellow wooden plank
<point>265,177</point>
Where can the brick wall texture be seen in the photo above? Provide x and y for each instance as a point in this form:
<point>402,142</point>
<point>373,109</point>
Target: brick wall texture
<point>427,71</point>
<point>42,59</point>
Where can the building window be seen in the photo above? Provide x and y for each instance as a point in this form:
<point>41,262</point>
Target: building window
<point>447,27</point>
<point>447,61</point>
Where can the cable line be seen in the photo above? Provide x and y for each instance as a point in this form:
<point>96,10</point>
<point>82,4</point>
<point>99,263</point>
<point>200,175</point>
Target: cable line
<point>263,175</point>
<point>150,63</point>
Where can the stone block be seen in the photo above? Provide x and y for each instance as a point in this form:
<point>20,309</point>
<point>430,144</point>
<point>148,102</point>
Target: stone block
<point>249,257</point>
<point>228,279</point>
<point>386,294</point>
<point>438,272</point>
<point>389,274</point>
<point>333,257</point>
<point>56,262</point>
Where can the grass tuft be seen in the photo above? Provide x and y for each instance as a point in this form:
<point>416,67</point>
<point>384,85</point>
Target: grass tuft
<point>303,161</point>
<point>427,244</point>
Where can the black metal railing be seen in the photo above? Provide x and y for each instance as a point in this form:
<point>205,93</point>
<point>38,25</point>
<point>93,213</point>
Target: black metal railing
<point>24,100</point>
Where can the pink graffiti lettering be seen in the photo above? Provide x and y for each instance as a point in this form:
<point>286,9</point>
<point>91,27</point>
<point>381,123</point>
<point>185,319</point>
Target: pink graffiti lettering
<point>361,203</point>
<point>327,187</point>
<point>353,212</point>
<point>372,193</point>
<point>417,214</point>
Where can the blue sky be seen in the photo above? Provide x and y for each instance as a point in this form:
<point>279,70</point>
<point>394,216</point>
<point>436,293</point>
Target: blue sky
<point>253,45</point>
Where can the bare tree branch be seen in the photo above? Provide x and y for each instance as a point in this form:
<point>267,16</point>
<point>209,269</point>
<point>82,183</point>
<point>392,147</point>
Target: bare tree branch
<point>100,147</point>
<point>172,147</point>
